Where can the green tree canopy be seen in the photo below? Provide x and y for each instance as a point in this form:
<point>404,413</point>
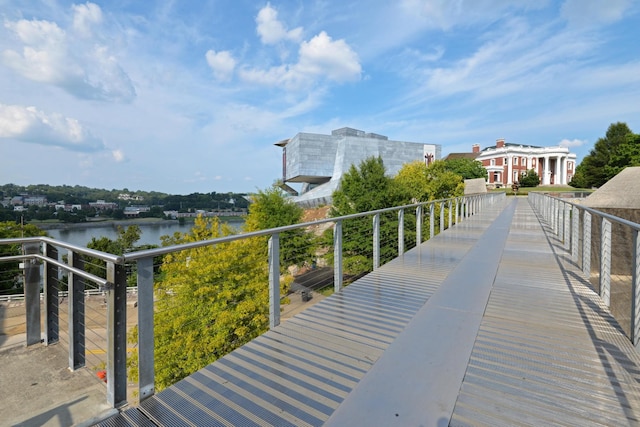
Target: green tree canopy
<point>210,301</point>
<point>466,168</point>
<point>214,299</point>
<point>424,183</point>
<point>617,150</point>
<point>10,275</point>
<point>270,208</point>
<point>366,188</point>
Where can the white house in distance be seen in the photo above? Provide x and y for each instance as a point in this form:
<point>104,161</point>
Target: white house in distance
<point>506,162</point>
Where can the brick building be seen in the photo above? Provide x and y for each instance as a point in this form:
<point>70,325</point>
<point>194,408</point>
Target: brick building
<point>506,163</point>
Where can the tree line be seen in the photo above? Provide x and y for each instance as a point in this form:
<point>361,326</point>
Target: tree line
<point>618,149</point>
<point>82,196</point>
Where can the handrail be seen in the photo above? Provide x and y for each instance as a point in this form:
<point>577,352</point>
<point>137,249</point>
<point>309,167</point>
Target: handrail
<point>607,258</point>
<point>115,283</point>
<point>133,256</point>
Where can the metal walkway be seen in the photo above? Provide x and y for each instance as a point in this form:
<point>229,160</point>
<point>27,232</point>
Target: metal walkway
<point>485,324</point>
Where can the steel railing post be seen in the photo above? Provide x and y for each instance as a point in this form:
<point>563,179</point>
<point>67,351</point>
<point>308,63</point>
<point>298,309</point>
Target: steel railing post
<point>376,241</point>
<point>635,296</point>
<point>418,225</point>
<point>586,244</point>
<point>450,213</point>
<point>76,314</point>
<point>116,334</point>
<point>575,233</point>
<point>441,217</point>
<point>400,232</point>
<point>337,257</point>
<point>605,261</point>
<point>32,294</point>
<point>274,280</point>
<point>52,302</point>
<point>457,210</point>
<point>432,220</point>
<point>146,372</point>
<point>567,226</point>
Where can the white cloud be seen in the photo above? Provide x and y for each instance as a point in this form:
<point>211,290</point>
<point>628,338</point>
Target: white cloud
<point>593,12</point>
<point>271,30</point>
<point>118,155</point>
<point>570,143</point>
<point>334,59</point>
<point>28,124</point>
<point>85,17</point>
<point>321,57</point>
<point>71,59</point>
<point>222,64</point>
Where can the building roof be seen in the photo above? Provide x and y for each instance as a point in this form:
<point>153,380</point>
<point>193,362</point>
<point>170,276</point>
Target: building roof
<point>510,144</point>
<point>471,156</point>
<point>621,192</point>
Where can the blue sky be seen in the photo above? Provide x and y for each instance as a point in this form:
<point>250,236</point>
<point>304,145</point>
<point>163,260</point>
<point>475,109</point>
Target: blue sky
<point>190,96</point>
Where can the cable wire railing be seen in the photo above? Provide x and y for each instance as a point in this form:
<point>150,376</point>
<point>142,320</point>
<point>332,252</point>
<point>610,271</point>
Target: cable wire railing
<point>606,248</point>
<point>84,300</point>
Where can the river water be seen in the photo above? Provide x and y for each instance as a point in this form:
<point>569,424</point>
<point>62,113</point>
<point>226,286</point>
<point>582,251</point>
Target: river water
<point>151,233</point>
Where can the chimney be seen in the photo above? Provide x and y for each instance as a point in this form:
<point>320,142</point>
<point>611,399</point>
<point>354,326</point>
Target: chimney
<point>475,148</point>
<point>500,143</point>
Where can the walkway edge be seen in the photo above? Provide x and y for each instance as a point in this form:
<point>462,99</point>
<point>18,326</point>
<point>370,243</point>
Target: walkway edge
<point>417,379</point>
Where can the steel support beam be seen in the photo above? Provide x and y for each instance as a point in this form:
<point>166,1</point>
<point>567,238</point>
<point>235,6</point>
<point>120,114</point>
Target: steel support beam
<point>32,294</point>
<point>337,257</point>
<point>116,335</point>
<point>77,358</point>
<point>274,280</point>
<point>52,302</point>
<point>146,372</point>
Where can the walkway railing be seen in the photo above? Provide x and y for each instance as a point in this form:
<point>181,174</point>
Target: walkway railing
<point>606,248</point>
<point>84,270</point>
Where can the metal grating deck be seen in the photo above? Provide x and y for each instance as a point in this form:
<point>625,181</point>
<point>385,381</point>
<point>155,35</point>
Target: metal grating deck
<point>543,350</point>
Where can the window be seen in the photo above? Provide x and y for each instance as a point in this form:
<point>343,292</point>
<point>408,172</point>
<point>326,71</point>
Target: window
<point>570,165</point>
<point>493,162</point>
<point>515,176</point>
<point>515,160</point>
<point>505,161</point>
<point>533,162</point>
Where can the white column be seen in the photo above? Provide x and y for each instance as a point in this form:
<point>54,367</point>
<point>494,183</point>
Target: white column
<point>557,174</point>
<point>510,170</point>
<point>545,171</point>
<point>563,170</point>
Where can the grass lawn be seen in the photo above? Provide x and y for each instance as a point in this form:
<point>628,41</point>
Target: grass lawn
<point>523,191</point>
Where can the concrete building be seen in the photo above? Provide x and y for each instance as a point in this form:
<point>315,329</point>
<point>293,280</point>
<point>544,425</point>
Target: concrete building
<point>317,162</point>
<point>506,162</point>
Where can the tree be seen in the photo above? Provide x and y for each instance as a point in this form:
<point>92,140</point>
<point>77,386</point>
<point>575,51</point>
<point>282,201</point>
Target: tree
<point>270,208</point>
<point>609,156</point>
<point>362,189</point>
<point>467,168</point>
<point>424,183</point>
<point>10,275</point>
<point>530,179</point>
<point>125,242</point>
<point>210,300</point>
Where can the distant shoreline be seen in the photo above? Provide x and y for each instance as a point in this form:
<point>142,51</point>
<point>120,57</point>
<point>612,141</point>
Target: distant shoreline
<point>122,222</point>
